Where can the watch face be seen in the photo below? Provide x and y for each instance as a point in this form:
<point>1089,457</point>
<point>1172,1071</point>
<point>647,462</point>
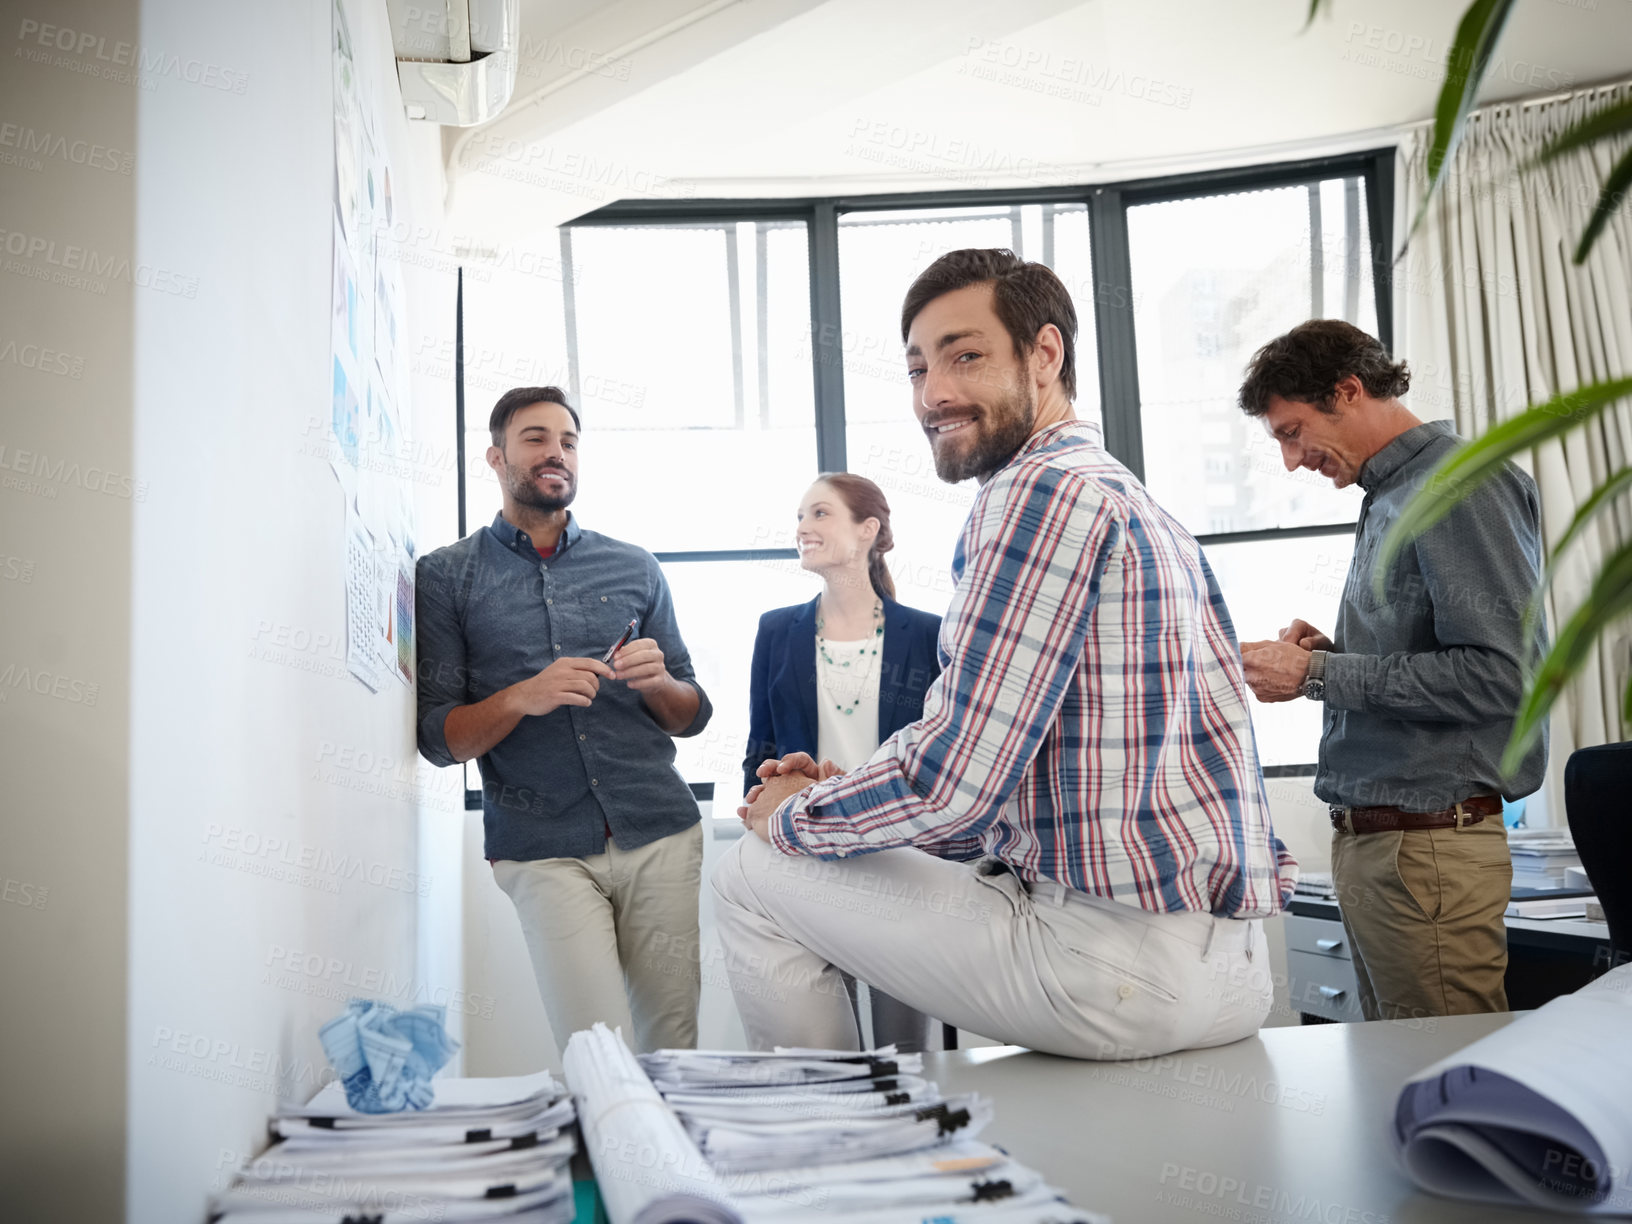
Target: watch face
<point>1315,690</point>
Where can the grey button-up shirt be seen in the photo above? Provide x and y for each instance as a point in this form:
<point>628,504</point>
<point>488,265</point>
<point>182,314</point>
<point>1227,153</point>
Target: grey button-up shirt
<point>492,613</point>
<point>1421,691</point>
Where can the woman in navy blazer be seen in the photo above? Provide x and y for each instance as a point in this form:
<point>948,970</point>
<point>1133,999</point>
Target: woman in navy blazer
<point>837,676</point>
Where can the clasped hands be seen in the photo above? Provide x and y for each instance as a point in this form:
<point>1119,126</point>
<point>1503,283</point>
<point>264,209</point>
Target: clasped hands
<point>786,777</point>
<point>1275,671</point>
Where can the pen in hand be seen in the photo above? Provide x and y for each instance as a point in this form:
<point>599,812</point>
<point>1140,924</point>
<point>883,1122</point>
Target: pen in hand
<point>628,632</point>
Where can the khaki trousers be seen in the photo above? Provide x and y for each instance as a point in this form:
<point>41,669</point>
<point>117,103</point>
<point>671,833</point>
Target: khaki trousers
<point>1423,911</point>
<point>1039,966</point>
<point>598,929</point>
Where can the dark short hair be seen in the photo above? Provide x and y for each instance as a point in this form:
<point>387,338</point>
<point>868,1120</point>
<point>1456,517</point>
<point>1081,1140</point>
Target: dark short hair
<point>512,402</point>
<point>1307,363</point>
<point>1026,295</point>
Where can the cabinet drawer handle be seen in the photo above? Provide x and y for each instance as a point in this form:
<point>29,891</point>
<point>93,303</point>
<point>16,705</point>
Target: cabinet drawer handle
<point>1328,945</point>
<point>1332,992</point>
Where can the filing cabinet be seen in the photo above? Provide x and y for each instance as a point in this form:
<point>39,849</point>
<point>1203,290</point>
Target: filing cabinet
<point>1320,969</point>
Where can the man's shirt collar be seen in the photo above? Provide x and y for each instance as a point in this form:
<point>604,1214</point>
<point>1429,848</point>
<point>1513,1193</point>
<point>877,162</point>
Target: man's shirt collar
<point>1052,433</point>
<point>518,541</point>
<point>1376,471</point>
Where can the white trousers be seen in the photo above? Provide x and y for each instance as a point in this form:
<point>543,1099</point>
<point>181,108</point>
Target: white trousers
<point>602,932</point>
<point>1045,967</point>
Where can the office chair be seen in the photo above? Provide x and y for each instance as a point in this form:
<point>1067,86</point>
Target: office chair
<point>1598,806</point>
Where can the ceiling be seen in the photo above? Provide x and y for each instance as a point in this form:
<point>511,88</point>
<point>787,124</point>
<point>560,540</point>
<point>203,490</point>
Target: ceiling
<point>706,98</point>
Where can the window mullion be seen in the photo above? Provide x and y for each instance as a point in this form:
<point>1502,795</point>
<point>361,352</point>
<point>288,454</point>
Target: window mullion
<point>827,337</point>
<point>1113,327</point>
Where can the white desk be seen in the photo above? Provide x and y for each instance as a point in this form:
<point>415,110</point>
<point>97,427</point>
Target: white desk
<point>1289,1127</point>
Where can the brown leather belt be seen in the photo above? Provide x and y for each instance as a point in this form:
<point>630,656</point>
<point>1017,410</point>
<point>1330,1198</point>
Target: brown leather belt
<point>1392,819</point>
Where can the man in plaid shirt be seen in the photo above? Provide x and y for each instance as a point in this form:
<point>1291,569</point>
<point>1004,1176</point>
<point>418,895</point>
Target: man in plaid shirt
<point>1088,740</point>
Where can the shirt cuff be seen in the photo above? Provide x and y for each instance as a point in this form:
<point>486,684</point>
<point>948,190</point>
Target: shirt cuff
<point>1348,677</point>
<point>784,836</point>
<point>433,737</point>
<point>704,711</point>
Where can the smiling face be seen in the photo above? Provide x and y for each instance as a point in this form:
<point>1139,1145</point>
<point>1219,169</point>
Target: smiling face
<point>538,466</point>
<point>828,536</point>
<point>1324,442</point>
<point>974,396</point>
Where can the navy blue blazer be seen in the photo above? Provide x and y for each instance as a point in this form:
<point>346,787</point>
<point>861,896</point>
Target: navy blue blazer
<point>782,692</point>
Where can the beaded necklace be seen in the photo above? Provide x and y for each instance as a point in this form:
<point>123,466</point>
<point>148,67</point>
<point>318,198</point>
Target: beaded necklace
<point>869,652</point>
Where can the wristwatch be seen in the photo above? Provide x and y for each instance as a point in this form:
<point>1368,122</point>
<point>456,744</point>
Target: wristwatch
<point>1314,680</point>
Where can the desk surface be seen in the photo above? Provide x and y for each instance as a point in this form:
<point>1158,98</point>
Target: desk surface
<point>1290,1126</point>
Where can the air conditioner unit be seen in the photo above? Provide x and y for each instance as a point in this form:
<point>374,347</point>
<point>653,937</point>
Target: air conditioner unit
<point>456,59</point>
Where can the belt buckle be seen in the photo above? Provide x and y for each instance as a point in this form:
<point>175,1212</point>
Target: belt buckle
<point>1463,819</point>
<point>1342,819</point>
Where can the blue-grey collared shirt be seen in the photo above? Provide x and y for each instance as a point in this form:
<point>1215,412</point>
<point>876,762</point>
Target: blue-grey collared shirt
<point>1421,691</point>
<point>492,613</point>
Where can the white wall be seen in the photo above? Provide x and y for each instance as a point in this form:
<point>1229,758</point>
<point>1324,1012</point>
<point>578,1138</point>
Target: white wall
<point>244,723</point>
<point>66,503</point>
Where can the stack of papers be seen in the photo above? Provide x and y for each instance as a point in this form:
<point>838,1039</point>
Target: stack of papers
<point>1315,884</point>
<point>1541,857</point>
<point>486,1149</point>
<point>1566,905</point>
<point>1533,1114</point>
<point>817,1135</point>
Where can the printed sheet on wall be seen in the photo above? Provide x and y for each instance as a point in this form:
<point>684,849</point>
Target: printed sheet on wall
<point>369,411</point>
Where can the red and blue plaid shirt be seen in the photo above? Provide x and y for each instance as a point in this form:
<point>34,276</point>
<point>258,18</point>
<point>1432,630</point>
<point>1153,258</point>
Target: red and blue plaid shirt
<point>1091,725</point>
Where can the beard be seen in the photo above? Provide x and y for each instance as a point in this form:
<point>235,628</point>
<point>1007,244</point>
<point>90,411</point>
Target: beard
<point>1000,431</point>
<point>522,488</point>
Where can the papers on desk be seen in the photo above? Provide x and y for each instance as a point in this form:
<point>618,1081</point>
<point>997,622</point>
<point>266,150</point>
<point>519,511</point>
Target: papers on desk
<point>487,1149</point>
<point>1564,905</point>
<point>1541,857</point>
<point>792,1137</point>
<point>830,1107</point>
<point>1535,1113</point>
<point>801,1136</point>
<point>1316,884</point>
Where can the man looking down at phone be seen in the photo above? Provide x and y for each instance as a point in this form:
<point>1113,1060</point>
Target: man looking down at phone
<point>528,663</point>
<point>1088,735</point>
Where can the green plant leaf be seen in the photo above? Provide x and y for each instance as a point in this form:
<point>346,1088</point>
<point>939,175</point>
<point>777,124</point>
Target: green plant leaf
<point>1314,11</point>
<point>1610,598</point>
<point>1476,36</point>
<point>1611,198</point>
<point>1470,464</point>
<point>1614,120</point>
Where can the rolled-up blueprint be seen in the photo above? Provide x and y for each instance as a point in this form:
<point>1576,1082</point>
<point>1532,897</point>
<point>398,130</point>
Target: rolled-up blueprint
<point>648,1169</point>
<point>1535,1113</point>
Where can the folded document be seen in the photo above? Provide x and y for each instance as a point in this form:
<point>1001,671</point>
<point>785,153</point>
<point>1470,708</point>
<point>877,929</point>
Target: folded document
<point>1533,1114</point>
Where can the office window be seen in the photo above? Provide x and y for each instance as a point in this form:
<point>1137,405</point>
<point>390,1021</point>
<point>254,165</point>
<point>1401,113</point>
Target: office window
<point>718,605</point>
<point>688,347</point>
<point>685,349</point>
<point>515,325</point>
<point>1214,278</point>
<point>1267,584</point>
<point>881,252</point>
<point>694,335</point>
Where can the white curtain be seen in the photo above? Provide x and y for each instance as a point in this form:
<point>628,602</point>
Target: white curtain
<point>1493,315</point>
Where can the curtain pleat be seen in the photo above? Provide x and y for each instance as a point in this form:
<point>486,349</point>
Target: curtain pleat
<point>1493,316</point>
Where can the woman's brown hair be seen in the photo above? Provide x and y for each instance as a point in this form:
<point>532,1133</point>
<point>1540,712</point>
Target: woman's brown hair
<point>865,500</point>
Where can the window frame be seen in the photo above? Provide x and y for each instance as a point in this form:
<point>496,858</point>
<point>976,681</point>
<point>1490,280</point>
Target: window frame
<point>1114,338</point>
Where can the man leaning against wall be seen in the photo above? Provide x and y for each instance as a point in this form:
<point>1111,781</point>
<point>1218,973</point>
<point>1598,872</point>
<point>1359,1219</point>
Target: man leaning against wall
<point>590,829</point>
